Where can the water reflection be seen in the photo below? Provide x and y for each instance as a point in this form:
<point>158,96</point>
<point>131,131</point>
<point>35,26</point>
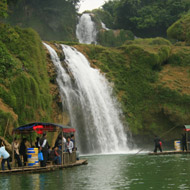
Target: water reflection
<point>117,172</point>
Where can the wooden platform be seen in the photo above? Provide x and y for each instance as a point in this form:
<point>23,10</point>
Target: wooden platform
<point>169,152</point>
<point>42,169</point>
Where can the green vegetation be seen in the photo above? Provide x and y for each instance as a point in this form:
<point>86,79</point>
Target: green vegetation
<point>24,82</point>
<point>180,30</point>
<point>146,18</point>
<point>145,76</point>
<point>113,38</point>
<point>151,76</point>
<point>103,16</point>
<point>53,20</point>
<point>3,8</point>
<point>109,37</point>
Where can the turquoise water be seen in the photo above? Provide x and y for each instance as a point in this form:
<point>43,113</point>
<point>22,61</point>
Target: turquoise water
<point>118,172</point>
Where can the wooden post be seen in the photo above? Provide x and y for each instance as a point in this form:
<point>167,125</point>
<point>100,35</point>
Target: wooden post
<point>75,142</point>
<point>30,140</point>
<point>62,147</point>
<point>13,152</point>
<point>187,142</point>
<point>6,128</point>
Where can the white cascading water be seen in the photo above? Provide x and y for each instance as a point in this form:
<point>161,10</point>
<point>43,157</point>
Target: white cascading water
<point>104,26</point>
<point>88,98</point>
<point>86,30</point>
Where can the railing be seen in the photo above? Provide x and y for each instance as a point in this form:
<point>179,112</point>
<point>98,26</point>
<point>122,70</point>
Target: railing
<point>69,158</point>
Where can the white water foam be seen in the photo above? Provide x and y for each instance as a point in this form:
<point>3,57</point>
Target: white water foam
<point>86,30</point>
<point>93,111</point>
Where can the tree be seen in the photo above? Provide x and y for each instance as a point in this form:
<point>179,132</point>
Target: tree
<point>146,18</point>
<point>3,8</point>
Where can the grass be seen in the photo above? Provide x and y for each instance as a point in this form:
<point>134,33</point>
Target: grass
<point>150,80</point>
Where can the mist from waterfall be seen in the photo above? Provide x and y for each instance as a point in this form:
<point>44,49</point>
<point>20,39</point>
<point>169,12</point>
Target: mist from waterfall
<point>87,96</point>
<point>86,30</point>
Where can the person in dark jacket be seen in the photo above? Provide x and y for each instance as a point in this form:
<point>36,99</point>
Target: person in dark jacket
<point>158,144</point>
<point>37,142</point>
<point>184,142</point>
<point>23,150</point>
<point>43,144</point>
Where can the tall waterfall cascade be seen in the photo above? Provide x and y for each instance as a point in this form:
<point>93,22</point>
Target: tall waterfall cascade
<point>86,30</point>
<point>87,96</point>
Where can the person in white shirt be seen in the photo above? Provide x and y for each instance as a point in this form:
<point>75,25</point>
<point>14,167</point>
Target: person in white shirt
<point>5,155</point>
<point>64,144</point>
<point>69,145</point>
<point>15,146</point>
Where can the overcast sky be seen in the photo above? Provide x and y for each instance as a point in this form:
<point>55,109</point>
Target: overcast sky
<point>90,4</point>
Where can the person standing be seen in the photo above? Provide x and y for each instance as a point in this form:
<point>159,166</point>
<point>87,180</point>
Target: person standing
<point>64,144</point>
<point>43,144</point>
<point>69,145</point>
<point>5,156</point>
<point>158,144</point>
<point>15,145</point>
<point>73,140</point>
<point>184,142</point>
<point>57,158</point>
<point>23,150</point>
<point>37,142</point>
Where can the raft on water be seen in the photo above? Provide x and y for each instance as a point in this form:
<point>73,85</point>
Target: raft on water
<point>169,152</point>
<point>43,169</point>
<point>67,159</point>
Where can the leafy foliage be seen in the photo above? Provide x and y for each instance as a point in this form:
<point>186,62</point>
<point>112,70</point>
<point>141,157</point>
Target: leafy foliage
<point>150,107</point>
<point>180,30</point>
<point>24,86</point>
<point>3,8</point>
<point>53,20</point>
<point>146,18</point>
<point>113,38</point>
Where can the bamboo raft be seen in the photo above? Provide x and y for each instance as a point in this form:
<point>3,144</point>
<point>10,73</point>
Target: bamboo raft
<point>169,152</point>
<point>38,169</point>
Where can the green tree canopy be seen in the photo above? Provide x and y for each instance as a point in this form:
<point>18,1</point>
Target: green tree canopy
<point>146,18</point>
<point>3,8</point>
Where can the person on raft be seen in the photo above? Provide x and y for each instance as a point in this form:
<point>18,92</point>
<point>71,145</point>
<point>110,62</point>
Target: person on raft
<point>158,144</point>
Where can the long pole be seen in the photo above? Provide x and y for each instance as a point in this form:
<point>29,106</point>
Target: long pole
<point>160,136</point>
<point>13,152</point>
<point>187,143</point>
<point>62,147</point>
<point>6,128</point>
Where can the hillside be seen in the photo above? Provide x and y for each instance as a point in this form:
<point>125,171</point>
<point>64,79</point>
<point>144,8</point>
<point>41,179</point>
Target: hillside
<point>53,20</point>
<point>28,91</point>
<point>150,79</point>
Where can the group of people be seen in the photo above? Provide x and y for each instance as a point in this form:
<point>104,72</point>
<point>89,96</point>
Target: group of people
<point>54,154</point>
<point>64,145</point>
<point>158,143</point>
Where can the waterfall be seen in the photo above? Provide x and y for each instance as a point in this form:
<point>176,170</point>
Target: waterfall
<point>86,30</point>
<point>104,26</point>
<point>87,96</point>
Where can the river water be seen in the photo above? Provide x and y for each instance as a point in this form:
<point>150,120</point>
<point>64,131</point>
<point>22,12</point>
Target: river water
<point>107,172</point>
